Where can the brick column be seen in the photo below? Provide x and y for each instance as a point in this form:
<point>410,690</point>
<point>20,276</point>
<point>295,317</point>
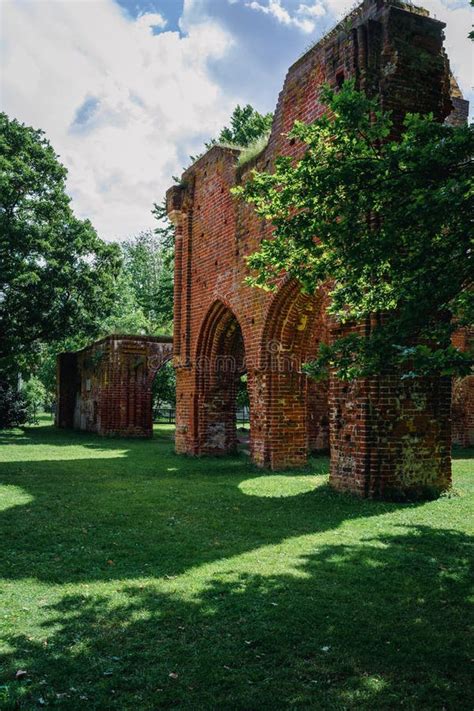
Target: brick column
<point>390,438</point>
<point>279,420</point>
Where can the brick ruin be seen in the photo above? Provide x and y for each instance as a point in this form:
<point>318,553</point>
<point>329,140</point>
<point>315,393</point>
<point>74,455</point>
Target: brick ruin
<point>462,397</point>
<point>386,437</point>
<point>106,387</point>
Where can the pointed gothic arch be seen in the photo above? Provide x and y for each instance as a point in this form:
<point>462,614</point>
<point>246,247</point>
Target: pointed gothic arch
<point>220,361</point>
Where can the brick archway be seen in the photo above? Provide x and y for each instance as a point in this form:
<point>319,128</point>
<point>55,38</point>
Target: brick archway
<point>107,386</point>
<point>388,436</point>
<point>290,403</point>
<point>220,361</point>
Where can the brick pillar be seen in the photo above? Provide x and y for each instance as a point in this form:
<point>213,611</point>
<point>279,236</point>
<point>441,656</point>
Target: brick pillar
<point>279,419</point>
<point>390,438</point>
<point>257,386</point>
<point>217,416</point>
<point>318,416</point>
<point>462,409</point>
<point>186,411</point>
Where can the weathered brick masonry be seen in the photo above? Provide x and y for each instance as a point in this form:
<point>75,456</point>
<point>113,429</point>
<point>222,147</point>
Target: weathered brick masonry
<point>385,436</point>
<point>106,387</point>
<point>462,406</point>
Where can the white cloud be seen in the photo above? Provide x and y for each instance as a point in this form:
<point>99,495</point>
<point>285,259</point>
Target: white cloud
<point>275,9</point>
<point>149,20</point>
<point>121,105</point>
<point>316,10</point>
<point>124,107</point>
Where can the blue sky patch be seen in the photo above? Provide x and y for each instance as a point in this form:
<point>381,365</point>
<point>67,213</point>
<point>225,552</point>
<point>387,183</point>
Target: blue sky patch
<point>86,112</point>
<point>171,10</point>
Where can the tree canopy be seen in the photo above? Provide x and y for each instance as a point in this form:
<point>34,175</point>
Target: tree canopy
<point>246,126</point>
<point>148,264</point>
<point>385,222</point>
<point>57,276</point>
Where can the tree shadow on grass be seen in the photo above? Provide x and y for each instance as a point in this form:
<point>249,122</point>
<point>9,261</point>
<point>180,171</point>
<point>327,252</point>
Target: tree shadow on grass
<point>145,516</point>
<point>50,435</point>
<point>378,624</point>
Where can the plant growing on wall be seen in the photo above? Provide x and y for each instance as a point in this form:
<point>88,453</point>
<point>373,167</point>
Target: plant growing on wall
<point>248,129</point>
<point>386,222</point>
<point>246,126</point>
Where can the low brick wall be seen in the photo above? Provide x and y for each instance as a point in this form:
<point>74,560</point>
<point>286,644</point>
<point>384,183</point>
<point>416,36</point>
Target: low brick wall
<point>106,387</point>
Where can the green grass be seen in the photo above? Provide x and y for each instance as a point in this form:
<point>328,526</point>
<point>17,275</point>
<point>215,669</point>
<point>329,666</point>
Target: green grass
<point>132,578</point>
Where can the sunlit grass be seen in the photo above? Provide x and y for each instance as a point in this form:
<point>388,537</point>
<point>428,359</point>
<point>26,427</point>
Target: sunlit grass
<point>132,578</point>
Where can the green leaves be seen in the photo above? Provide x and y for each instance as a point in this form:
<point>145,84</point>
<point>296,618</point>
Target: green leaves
<point>387,222</point>
<point>148,269</point>
<point>57,276</point>
<point>246,126</point>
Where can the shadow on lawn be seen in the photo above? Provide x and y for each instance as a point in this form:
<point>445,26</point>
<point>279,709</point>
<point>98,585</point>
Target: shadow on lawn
<point>380,624</point>
<point>52,436</point>
<point>150,513</point>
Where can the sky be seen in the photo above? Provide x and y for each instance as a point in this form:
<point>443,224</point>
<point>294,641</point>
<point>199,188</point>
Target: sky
<point>126,90</point>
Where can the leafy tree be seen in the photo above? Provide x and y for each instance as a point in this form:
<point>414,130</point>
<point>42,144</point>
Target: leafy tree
<point>148,265</point>
<point>246,126</point>
<point>385,221</point>
<point>164,387</point>
<point>35,395</point>
<point>13,406</point>
<point>141,305</point>
<point>127,316</point>
<point>57,276</point>
<point>242,398</point>
<point>165,230</point>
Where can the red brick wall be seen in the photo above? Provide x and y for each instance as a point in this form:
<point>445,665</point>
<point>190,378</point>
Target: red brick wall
<point>462,410</point>
<point>391,438</point>
<point>106,387</point>
<point>397,54</point>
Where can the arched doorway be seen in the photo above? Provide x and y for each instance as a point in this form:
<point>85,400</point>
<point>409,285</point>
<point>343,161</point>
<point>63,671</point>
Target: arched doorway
<point>294,419</point>
<point>163,394</point>
<point>220,365</point>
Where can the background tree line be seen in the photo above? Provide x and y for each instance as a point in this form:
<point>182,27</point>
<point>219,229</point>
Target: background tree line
<point>398,253</point>
<point>61,286</point>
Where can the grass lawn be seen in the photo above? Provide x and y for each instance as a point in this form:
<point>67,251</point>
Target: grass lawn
<point>132,578</point>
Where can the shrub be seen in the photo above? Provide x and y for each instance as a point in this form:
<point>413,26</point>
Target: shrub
<point>13,407</point>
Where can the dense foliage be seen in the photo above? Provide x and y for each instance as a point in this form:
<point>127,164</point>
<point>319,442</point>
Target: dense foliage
<point>386,222</point>
<point>164,388</point>
<point>148,265</point>
<point>13,406</point>
<point>143,304</point>
<point>246,126</point>
<point>57,276</point>
<point>36,398</point>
